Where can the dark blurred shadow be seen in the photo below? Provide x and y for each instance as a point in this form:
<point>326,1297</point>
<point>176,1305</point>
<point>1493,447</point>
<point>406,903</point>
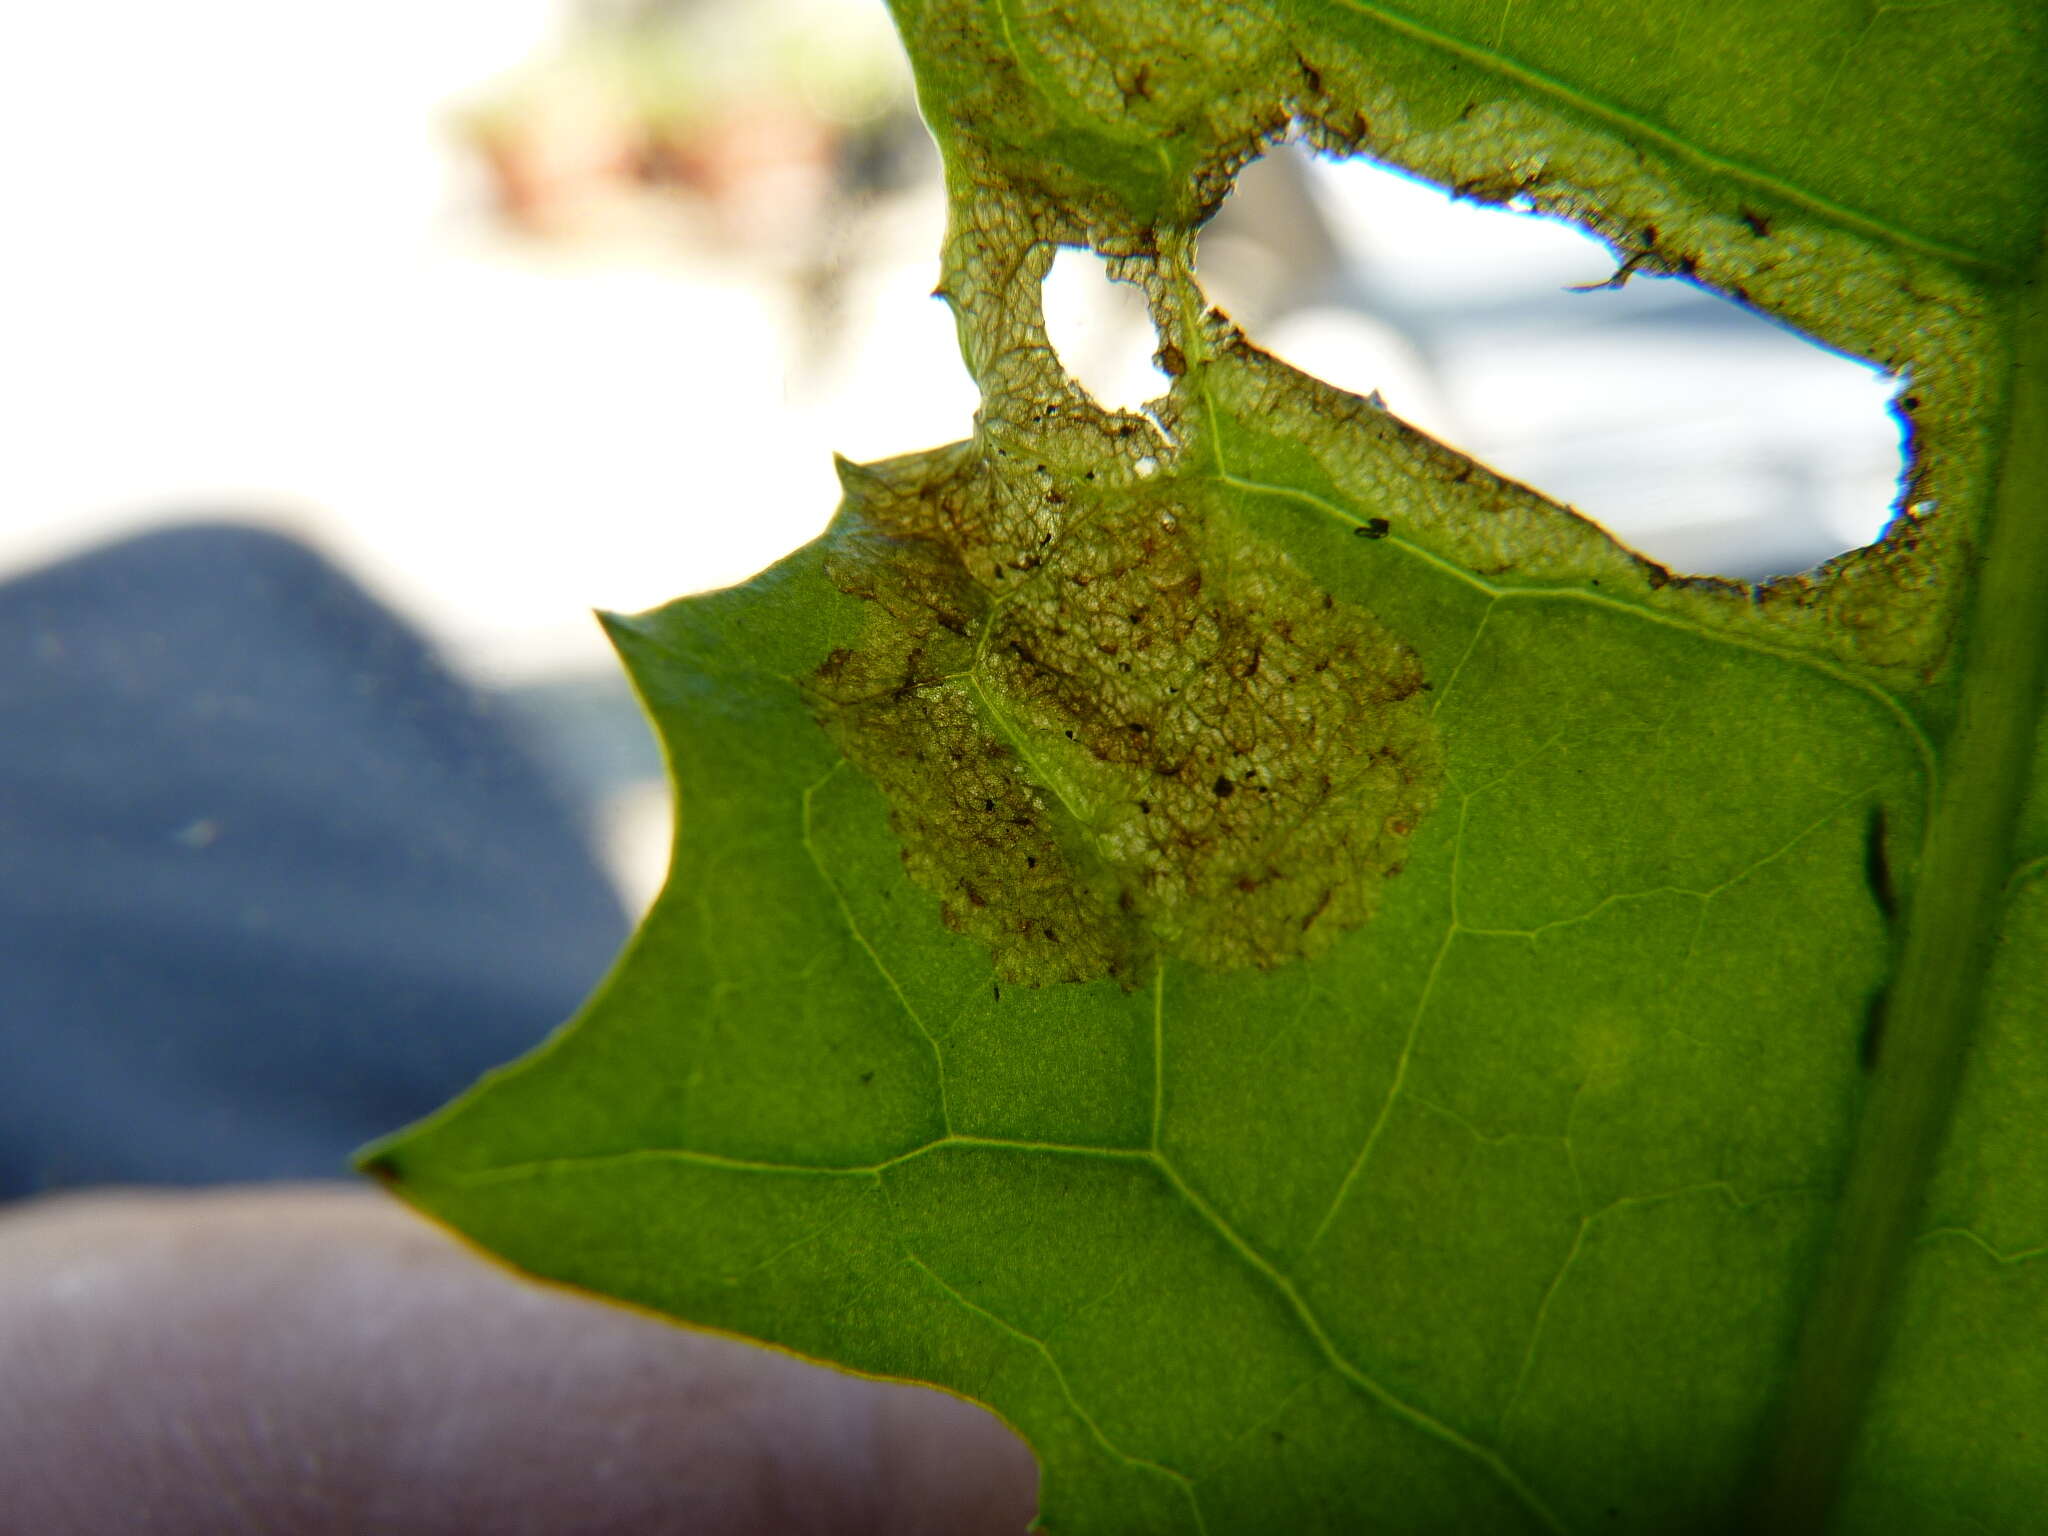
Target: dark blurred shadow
<point>272,881</point>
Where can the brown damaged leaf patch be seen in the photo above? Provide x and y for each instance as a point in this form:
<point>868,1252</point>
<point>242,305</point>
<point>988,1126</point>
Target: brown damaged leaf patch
<point>1112,724</point>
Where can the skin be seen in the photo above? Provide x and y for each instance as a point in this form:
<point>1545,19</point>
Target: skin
<point>304,1359</point>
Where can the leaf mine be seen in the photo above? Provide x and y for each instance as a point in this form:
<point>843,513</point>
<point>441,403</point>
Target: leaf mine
<point>1112,723</point>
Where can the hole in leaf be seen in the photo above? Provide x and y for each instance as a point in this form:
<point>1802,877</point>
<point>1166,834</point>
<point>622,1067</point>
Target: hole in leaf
<point>1697,431</point>
<point>1102,331</point>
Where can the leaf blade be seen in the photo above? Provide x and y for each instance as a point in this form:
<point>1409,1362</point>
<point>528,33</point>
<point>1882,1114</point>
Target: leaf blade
<point>1424,1222</point>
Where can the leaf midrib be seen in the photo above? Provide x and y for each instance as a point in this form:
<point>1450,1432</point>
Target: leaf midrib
<point>1951,921</point>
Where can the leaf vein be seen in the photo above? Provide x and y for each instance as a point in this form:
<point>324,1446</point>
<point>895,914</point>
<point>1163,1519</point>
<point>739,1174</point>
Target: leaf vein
<point>1410,1414</point>
<point>1158,1053</point>
<point>1992,1250</point>
<point>1883,697</point>
<point>1059,1376</point>
<point>1379,1124</point>
<point>853,927</point>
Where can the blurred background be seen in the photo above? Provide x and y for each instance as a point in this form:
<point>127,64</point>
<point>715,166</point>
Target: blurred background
<point>486,313</point>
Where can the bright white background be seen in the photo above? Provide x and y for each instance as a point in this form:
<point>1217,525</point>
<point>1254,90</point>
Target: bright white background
<point>249,270</point>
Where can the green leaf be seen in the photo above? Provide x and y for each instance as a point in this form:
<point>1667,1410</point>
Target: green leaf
<point>1326,992</point>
